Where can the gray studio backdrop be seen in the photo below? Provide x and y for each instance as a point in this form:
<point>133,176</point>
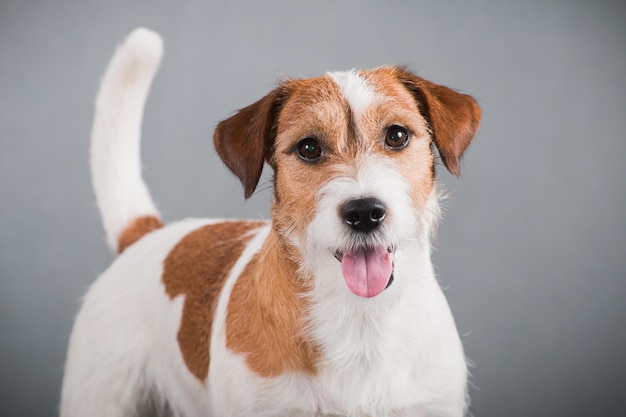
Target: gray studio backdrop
<point>532,251</point>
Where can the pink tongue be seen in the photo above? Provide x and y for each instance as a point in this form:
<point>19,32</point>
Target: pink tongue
<point>367,271</point>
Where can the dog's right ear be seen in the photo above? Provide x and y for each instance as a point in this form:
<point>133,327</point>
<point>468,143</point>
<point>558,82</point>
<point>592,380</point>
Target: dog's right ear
<point>246,140</point>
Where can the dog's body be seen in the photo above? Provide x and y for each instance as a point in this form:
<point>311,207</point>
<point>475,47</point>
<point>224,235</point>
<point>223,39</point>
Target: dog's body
<point>331,308</point>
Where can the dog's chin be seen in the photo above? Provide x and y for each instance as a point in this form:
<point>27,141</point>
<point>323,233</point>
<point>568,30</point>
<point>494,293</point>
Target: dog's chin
<point>367,270</point>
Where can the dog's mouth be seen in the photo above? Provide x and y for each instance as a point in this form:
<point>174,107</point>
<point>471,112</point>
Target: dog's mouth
<point>367,271</point>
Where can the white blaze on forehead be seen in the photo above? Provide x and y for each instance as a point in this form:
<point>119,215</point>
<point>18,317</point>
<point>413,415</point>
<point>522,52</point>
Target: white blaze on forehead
<point>355,89</point>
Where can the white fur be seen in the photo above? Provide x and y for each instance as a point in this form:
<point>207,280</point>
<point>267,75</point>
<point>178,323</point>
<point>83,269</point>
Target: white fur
<point>397,354</point>
<point>355,89</point>
<point>362,338</point>
<point>115,163</point>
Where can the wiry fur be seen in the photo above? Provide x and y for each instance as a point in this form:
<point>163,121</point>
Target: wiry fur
<point>396,354</point>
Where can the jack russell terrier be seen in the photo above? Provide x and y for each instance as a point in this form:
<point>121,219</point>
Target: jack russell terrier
<point>331,308</point>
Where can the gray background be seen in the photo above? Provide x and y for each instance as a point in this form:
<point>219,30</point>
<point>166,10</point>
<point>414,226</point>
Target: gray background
<point>532,251</point>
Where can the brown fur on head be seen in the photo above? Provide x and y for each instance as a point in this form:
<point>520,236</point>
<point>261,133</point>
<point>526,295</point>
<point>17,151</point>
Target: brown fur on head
<point>246,140</point>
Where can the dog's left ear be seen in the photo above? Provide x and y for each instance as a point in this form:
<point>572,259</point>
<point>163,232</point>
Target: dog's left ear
<point>453,117</point>
<point>246,140</point>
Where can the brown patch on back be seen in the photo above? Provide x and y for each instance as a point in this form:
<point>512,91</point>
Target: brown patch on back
<point>197,268</point>
<point>266,314</point>
<point>136,230</point>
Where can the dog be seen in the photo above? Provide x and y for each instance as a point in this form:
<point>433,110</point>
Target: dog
<point>331,308</point>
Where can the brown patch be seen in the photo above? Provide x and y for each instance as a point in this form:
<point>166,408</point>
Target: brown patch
<point>266,314</point>
<point>298,108</point>
<point>270,129</point>
<point>196,268</point>
<point>453,117</point>
<point>316,108</point>
<point>136,230</point>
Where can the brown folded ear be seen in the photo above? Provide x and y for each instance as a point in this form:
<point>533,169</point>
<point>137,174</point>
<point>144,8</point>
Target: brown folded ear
<point>453,117</point>
<point>245,140</point>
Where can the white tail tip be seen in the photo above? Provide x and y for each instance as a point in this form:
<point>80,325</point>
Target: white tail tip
<point>145,45</point>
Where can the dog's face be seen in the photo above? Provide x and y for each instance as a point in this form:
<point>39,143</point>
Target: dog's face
<point>353,161</point>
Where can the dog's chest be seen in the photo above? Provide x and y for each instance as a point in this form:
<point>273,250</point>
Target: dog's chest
<point>366,367</point>
<point>354,356</point>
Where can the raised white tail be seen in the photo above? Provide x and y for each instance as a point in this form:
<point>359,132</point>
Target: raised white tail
<point>122,195</point>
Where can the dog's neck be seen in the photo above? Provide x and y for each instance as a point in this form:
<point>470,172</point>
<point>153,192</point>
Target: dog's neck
<point>267,312</point>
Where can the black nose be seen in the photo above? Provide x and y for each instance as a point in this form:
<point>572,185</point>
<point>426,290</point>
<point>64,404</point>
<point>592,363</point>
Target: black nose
<point>363,214</point>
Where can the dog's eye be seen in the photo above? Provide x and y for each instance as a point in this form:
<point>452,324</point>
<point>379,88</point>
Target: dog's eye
<point>396,137</point>
<point>309,149</point>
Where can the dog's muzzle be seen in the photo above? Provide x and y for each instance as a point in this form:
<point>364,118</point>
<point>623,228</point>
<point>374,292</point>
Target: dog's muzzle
<point>368,269</point>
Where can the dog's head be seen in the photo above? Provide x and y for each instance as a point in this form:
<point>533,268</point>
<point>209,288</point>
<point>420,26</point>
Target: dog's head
<point>354,164</point>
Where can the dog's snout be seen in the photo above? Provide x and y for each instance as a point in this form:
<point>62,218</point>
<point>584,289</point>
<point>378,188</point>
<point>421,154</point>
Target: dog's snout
<point>363,214</point>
